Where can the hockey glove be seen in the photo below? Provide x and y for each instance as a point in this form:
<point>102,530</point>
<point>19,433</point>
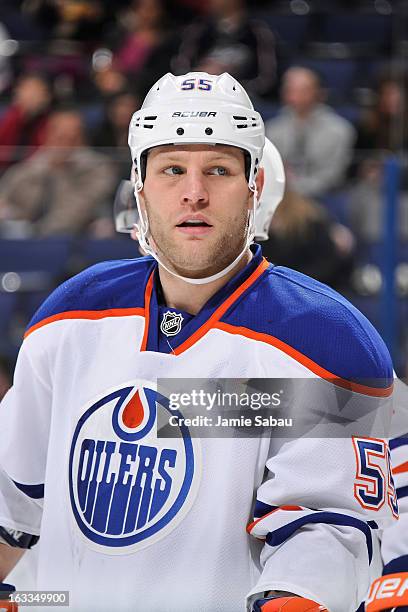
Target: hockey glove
<point>287,604</point>
<point>5,604</point>
<point>390,592</point>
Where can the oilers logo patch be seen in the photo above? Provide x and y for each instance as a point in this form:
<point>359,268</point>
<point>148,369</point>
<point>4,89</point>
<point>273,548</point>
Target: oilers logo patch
<point>128,488</point>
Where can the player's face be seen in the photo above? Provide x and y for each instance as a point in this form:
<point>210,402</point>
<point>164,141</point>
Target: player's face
<point>197,200</point>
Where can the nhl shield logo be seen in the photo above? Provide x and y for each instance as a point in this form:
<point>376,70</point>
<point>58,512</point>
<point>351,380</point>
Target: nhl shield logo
<point>171,323</point>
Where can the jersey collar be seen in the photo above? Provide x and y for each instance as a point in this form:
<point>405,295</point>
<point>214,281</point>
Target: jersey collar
<point>210,313</point>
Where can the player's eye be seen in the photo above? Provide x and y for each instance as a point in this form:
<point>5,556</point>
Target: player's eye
<point>219,171</point>
<point>173,170</point>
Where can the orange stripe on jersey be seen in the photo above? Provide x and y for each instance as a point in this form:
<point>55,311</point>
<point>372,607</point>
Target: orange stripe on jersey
<point>92,315</point>
<point>218,313</point>
<point>148,297</point>
<point>304,360</point>
<point>261,518</point>
<point>292,604</point>
<point>400,469</point>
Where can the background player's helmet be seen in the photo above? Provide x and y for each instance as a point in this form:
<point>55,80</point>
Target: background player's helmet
<point>196,108</point>
<point>272,192</point>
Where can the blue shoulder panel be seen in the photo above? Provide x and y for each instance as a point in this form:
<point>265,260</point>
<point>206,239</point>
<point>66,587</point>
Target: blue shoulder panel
<point>104,286</point>
<point>316,321</point>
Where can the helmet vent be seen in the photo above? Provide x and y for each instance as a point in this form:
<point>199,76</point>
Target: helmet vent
<point>149,118</point>
<point>242,121</point>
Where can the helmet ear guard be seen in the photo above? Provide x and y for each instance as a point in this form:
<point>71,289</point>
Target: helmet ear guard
<point>247,159</point>
<point>143,166</point>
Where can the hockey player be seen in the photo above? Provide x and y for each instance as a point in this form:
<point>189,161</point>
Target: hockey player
<point>161,521</point>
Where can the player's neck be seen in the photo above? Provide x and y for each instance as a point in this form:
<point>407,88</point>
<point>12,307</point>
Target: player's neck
<point>191,298</point>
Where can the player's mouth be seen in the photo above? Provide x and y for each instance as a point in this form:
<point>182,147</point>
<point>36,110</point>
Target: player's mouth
<point>196,225</point>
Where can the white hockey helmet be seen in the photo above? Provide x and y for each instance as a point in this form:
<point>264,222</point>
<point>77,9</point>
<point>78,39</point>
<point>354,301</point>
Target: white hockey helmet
<point>196,108</point>
<point>272,192</point>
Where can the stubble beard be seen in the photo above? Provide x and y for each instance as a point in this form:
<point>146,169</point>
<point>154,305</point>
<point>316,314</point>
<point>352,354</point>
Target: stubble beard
<point>201,257</point>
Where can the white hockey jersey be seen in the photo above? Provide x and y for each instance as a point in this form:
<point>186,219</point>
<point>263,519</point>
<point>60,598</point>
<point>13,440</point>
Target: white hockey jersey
<point>391,591</point>
<point>154,523</point>
<point>395,537</point>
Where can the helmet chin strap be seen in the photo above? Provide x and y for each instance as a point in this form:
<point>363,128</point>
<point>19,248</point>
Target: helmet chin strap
<point>143,231</point>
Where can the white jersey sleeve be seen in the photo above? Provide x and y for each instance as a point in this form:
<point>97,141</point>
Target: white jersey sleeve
<point>317,526</point>
<point>24,423</point>
<point>391,589</point>
<point>395,537</point>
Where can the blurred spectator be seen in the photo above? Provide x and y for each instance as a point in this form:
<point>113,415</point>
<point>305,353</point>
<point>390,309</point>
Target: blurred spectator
<point>43,14</point>
<point>63,187</point>
<point>112,133</point>
<point>314,141</point>
<point>149,43</point>
<point>23,123</point>
<point>82,20</point>
<point>228,40</point>
<point>71,19</point>
<point>303,237</point>
<point>382,128</point>
<point>108,81</point>
<point>385,126</point>
<point>18,23</point>
<point>366,204</point>
<point>71,29</point>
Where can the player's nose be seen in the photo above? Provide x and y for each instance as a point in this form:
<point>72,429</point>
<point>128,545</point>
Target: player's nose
<point>194,190</point>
